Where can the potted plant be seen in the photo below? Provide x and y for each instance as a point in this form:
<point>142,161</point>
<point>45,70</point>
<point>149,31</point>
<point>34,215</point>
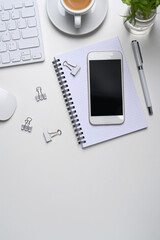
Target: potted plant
<point>140,15</point>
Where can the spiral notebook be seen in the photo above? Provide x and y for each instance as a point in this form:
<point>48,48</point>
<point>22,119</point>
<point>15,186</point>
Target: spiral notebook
<point>75,92</point>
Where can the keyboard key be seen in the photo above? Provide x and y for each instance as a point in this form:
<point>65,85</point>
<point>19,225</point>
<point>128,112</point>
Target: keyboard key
<point>32,22</point>
<point>15,56</point>
<point>29,33</point>
<point>28,43</point>
<point>15,14</point>
<point>26,52</point>
<point>15,35</point>
<point>12,46</point>
<point>26,57</point>
<point>18,5</point>
<point>2,27</point>
<point>5,58</point>
<point>11,25</point>
<point>3,47</point>
<point>21,23</point>
<point>28,12</point>
<point>6,37</point>
<point>7,6</point>
<point>5,16</point>
<point>37,55</point>
<point>29,3</point>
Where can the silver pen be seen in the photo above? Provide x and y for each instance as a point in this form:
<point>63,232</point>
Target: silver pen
<point>139,62</point>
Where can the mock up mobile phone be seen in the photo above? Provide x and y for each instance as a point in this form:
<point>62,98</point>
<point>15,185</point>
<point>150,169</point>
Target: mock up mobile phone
<point>105,88</point>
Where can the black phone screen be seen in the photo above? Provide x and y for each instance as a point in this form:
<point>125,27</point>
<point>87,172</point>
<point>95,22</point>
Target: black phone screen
<point>106,87</point>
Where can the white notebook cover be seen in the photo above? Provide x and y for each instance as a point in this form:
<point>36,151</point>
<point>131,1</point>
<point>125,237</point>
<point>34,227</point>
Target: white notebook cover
<point>78,85</point>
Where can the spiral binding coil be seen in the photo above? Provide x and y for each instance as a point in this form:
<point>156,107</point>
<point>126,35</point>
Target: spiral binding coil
<point>69,101</point>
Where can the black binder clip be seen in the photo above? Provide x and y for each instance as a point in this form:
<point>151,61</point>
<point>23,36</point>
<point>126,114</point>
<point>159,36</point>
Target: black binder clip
<point>41,96</point>
<point>74,69</point>
<point>48,136</point>
<point>26,126</point>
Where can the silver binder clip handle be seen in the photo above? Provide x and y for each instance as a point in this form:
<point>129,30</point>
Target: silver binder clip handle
<point>73,69</point>
<point>48,136</point>
<point>41,96</point>
<point>26,126</point>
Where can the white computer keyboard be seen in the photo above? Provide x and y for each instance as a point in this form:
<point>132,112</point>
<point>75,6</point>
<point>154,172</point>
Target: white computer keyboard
<point>20,33</point>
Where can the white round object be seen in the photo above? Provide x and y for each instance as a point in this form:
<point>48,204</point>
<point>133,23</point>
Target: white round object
<point>65,21</point>
<point>7,105</point>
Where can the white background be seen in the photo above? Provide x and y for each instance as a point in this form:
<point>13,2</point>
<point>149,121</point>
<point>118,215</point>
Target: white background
<point>58,191</point>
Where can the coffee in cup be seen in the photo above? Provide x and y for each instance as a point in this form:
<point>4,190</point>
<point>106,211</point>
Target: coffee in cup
<point>77,8</point>
<point>77,5</point>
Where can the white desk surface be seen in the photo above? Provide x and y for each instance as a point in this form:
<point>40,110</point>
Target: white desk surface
<point>58,191</point>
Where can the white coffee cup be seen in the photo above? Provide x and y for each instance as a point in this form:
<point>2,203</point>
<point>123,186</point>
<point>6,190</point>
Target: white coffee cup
<point>77,13</point>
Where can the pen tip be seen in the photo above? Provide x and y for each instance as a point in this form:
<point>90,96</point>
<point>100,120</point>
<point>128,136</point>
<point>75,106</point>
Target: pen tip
<point>150,110</point>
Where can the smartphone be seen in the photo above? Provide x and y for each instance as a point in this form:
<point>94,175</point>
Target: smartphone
<point>105,88</point>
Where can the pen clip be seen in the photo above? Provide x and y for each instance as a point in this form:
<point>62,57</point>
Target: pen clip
<point>139,51</point>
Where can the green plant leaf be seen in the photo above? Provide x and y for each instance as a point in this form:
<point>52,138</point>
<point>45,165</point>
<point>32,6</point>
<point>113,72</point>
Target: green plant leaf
<point>145,7</point>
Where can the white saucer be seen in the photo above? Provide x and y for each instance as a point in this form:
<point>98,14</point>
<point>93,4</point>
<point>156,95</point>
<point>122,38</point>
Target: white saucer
<point>65,22</point>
